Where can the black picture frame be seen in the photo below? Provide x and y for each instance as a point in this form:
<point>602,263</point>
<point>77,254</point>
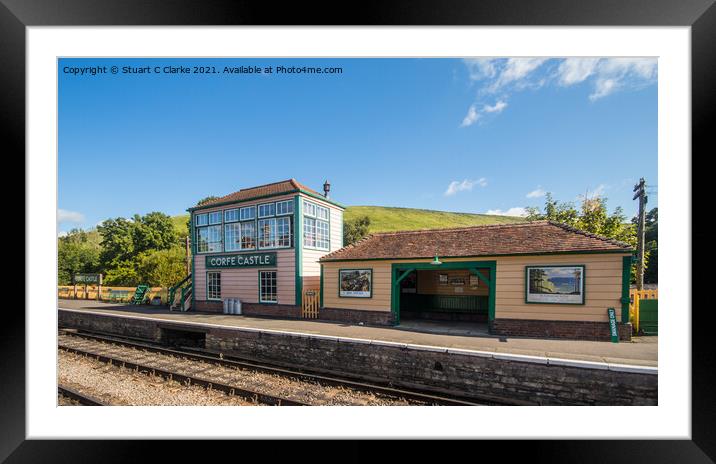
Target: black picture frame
<point>700,15</point>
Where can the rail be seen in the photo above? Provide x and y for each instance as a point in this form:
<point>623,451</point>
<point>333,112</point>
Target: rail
<point>424,397</point>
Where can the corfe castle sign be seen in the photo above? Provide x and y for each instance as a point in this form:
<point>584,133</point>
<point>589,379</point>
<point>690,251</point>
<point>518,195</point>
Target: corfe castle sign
<point>241,260</point>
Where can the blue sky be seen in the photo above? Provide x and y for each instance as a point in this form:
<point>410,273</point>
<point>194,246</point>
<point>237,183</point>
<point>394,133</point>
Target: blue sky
<point>479,135</point>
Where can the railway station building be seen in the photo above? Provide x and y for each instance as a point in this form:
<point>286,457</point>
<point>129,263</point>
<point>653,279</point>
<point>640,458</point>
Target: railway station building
<point>535,279</point>
<point>268,245</point>
<point>262,246</point>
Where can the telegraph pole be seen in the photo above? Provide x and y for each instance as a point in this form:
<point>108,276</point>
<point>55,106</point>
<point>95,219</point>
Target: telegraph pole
<point>640,190</point>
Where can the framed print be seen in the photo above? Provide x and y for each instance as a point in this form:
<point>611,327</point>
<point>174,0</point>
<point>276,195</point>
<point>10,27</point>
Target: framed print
<point>447,166</point>
<point>554,284</point>
<point>355,283</point>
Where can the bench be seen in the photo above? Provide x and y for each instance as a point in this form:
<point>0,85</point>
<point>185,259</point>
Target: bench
<point>118,296</point>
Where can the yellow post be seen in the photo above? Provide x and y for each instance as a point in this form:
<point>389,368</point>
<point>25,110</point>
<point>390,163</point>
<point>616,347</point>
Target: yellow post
<point>637,297</point>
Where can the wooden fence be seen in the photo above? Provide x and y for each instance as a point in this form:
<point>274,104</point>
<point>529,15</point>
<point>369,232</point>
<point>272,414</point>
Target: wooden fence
<point>635,296</point>
<point>109,293</point>
<point>309,308</point>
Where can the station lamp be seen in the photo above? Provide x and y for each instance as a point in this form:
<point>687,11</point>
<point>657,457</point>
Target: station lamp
<point>436,261</point>
<point>326,188</point>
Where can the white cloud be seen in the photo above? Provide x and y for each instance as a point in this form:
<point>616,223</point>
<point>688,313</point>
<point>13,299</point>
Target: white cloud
<point>64,215</point>
<point>608,74</point>
<point>504,76</point>
<point>496,108</point>
<point>480,68</point>
<point>516,211</point>
<point>61,233</point>
<point>515,70</point>
<point>537,193</point>
<point>464,185</point>
<point>473,114</point>
<point>575,70</point>
<point>470,117</point>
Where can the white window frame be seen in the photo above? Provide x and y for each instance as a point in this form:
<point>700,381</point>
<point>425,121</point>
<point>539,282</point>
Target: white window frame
<point>236,236</point>
<point>199,223</point>
<point>261,287</point>
<point>273,233</point>
<point>220,242</point>
<point>249,217</point>
<point>289,207</point>
<point>230,211</point>
<point>288,222</point>
<point>216,214</point>
<point>208,285</point>
<point>254,237</point>
<point>271,206</point>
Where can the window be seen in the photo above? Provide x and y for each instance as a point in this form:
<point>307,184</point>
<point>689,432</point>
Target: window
<point>283,232</point>
<point>213,235</point>
<point>247,213</point>
<point>267,287</point>
<point>215,217</point>
<point>232,240</point>
<point>248,235</point>
<point>284,207</point>
<point>313,210</point>
<point>213,285</point>
<point>201,219</point>
<point>315,233</point>
<point>231,215</point>
<point>267,209</point>
<point>267,233</point>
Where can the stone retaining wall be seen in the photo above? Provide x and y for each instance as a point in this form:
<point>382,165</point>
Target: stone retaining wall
<point>524,379</point>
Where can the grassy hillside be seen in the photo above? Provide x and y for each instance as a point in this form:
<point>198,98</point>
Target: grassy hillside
<point>387,219</point>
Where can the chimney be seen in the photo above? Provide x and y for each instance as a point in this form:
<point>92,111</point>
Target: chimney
<point>326,188</point>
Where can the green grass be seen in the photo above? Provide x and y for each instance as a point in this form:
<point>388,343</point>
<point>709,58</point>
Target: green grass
<point>389,219</point>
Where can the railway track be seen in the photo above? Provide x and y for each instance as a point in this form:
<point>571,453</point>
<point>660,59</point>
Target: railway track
<point>82,398</point>
<point>183,353</point>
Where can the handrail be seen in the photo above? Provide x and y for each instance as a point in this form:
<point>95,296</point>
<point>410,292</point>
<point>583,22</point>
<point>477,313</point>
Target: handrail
<point>173,289</point>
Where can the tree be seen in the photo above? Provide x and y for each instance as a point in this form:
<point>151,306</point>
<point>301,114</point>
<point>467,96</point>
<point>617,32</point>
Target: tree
<point>123,274</point>
<point>651,245</point>
<point>592,217</point>
<point>153,231</point>
<point>117,242</point>
<point>162,268</point>
<point>355,229</point>
<point>77,252</point>
<point>206,200</point>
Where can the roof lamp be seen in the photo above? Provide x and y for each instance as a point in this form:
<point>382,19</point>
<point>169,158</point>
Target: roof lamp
<point>436,261</point>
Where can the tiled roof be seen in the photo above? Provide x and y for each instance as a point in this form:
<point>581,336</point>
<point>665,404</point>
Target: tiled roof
<point>535,237</point>
<point>276,188</point>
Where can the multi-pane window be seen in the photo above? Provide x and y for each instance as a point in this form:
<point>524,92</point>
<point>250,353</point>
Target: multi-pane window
<point>213,285</point>
<point>267,287</point>
<point>284,207</point>
<point>215,217</point>
<point>267,233</point>
<point>315,226</point>
<point>248,235</point>
<point>248,212</point>
<point>283,232</point>
<point>232,239</point>
<point>231,215</point>
<point>201,219</point>
<point>267,210</point>
<point>274,232</point>
<point>213,238</point>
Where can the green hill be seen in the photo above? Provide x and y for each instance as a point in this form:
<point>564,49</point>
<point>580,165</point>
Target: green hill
<point>388,219</point>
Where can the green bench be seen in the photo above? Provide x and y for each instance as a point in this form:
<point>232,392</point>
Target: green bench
<point>118,296</point>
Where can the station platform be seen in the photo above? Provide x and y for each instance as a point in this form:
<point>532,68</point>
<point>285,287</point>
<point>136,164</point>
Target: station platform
<point>641,351</point>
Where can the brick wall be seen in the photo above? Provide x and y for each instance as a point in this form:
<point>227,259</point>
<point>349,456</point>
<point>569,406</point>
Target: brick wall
<point>354,316</point>
<point>582,330</point>
<point>429,369</point>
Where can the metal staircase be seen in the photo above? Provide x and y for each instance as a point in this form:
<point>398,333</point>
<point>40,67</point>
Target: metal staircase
<point>185,290</point>
<point>139,294</point>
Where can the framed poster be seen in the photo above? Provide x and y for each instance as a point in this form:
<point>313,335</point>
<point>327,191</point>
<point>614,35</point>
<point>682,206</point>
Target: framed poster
<point>355,283</point>
<point>555,284</point>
